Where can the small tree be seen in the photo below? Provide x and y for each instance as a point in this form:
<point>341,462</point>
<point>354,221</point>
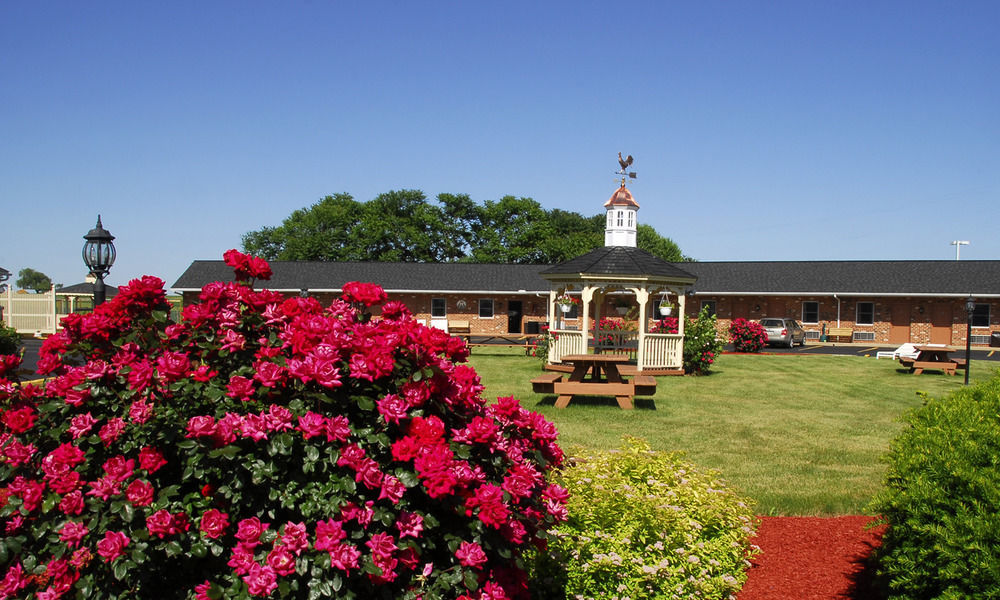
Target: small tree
<point>30,279</point>
<point>747,336</point>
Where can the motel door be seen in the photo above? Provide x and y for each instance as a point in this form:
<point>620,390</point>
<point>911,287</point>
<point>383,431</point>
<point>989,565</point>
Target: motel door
<point>941,323</point>
<point>741,310</point>
<point>514,314</point>
<point>899,325</point>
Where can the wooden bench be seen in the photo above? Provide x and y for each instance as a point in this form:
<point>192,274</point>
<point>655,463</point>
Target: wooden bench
<point>645,385</point>
<point>960,363</point>
<point>919,366</point>
<point>545,383</point>
<point>839,332</point>
<point>459,329</point>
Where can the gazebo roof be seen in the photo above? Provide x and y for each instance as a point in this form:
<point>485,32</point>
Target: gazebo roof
<point>617,260</point>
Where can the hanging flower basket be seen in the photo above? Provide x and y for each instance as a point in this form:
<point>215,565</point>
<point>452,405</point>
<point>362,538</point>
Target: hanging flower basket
<point>665,310</point>
<point>566,302</point>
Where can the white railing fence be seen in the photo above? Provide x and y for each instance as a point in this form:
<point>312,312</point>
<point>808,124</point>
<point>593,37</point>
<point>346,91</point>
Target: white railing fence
<point>30,313</point>
<point>566,342</point>
<point>663,351</point>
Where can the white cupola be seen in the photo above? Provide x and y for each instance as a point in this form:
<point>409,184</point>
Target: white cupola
<point>621,223</point>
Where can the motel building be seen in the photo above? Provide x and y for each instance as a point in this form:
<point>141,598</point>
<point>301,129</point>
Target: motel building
<point>872,302</point>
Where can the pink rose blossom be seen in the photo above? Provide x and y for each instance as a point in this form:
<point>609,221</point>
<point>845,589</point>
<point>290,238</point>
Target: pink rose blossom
<point>262,580</point>
<point>81,425</point>
<point>139,493</point>
<point>344,557</point>
<point>214,523</point>
<point>282,561</point>
<point>151,459</point>
<point>409,524</point>
<point>72,503</point>
<point>249,531</point>
<point>140,411</point>
<point>470,554</point>
<point>110,432</point>
<point>113,545</point>
<point>72,533</point>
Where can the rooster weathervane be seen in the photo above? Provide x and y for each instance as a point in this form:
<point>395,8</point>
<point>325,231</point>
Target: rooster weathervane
<point>625,163</point>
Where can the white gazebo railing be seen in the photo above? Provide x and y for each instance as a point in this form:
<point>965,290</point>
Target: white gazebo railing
<point>566,341</point>
<point>616,340</point>
<point>664,350</point>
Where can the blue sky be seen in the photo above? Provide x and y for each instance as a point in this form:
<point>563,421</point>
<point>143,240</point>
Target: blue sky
<point>760,130</point>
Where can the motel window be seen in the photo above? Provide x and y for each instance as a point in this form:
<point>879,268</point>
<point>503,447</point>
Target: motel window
<point>439,307</point>
<point>981,316</point>
<point>486,308</point>
<point>810,312</point>
<point>866,313</point>
<point>710,305</point>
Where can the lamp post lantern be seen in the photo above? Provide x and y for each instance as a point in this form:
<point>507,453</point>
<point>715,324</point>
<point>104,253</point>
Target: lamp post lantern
<point>99,255</point>
<point>970,307</point>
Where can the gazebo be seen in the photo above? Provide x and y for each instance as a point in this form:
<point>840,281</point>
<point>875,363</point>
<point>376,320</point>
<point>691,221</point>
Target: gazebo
<point>620,270</point>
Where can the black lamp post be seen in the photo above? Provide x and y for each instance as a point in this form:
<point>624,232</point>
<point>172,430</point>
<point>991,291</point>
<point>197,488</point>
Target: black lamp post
<point>970,307</point>
<point>99,255</point>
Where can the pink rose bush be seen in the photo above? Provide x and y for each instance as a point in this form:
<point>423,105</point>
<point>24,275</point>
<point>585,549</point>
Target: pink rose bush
<point>747,336</point>
<point>266,447</point>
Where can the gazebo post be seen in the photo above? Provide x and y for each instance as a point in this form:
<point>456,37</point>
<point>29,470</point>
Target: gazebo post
<point>681,303</point>
<point>642,296</point>
<point>587,295</point>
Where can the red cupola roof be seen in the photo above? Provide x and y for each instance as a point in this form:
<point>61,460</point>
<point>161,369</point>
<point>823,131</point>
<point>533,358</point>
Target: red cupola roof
<point>622,197</point>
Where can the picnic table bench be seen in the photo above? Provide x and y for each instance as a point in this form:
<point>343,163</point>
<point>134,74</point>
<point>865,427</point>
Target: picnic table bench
<point>933,358</point>
<point>612,384</point>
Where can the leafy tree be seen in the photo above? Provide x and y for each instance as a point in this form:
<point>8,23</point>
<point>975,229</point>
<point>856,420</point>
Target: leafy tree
<point>649,240</point>
<point>324,231</point>
<point>30,279</point>
<point>404,226</point>
<point>512,230</point>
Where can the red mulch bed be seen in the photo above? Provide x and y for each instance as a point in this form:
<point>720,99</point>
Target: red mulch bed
<point>813,558</point>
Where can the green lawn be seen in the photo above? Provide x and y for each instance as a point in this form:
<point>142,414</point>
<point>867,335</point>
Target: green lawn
<point>801,435</point>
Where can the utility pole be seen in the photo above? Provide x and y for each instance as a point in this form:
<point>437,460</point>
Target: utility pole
<point>958,246</point>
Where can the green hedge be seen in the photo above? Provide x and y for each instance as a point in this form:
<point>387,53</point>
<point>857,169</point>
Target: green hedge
<point>10,341</point>
<point>941,500</point>
<point>645,525</point>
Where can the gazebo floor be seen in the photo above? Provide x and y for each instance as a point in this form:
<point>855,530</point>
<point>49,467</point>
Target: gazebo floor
<point>628,370</point>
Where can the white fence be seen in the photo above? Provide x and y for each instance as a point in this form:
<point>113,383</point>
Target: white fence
<point>30,313</point>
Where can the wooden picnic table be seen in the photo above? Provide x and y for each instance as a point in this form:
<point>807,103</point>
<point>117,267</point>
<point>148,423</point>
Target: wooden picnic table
<point>611,384</point>
<point>934,358</point>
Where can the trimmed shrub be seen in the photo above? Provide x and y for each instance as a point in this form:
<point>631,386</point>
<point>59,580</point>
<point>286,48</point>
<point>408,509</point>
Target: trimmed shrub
<point>747,336</point>
<point>264,447</point>
<point>940,499</point>
<point>701,344</point>
<point>10,341</point>
<point>646,524</point>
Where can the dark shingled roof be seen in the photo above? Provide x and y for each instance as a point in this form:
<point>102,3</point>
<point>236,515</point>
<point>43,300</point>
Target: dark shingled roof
<point>619,260</point>
<point>980,277</point>
<point>393,277</point>
<point>86,289</point>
